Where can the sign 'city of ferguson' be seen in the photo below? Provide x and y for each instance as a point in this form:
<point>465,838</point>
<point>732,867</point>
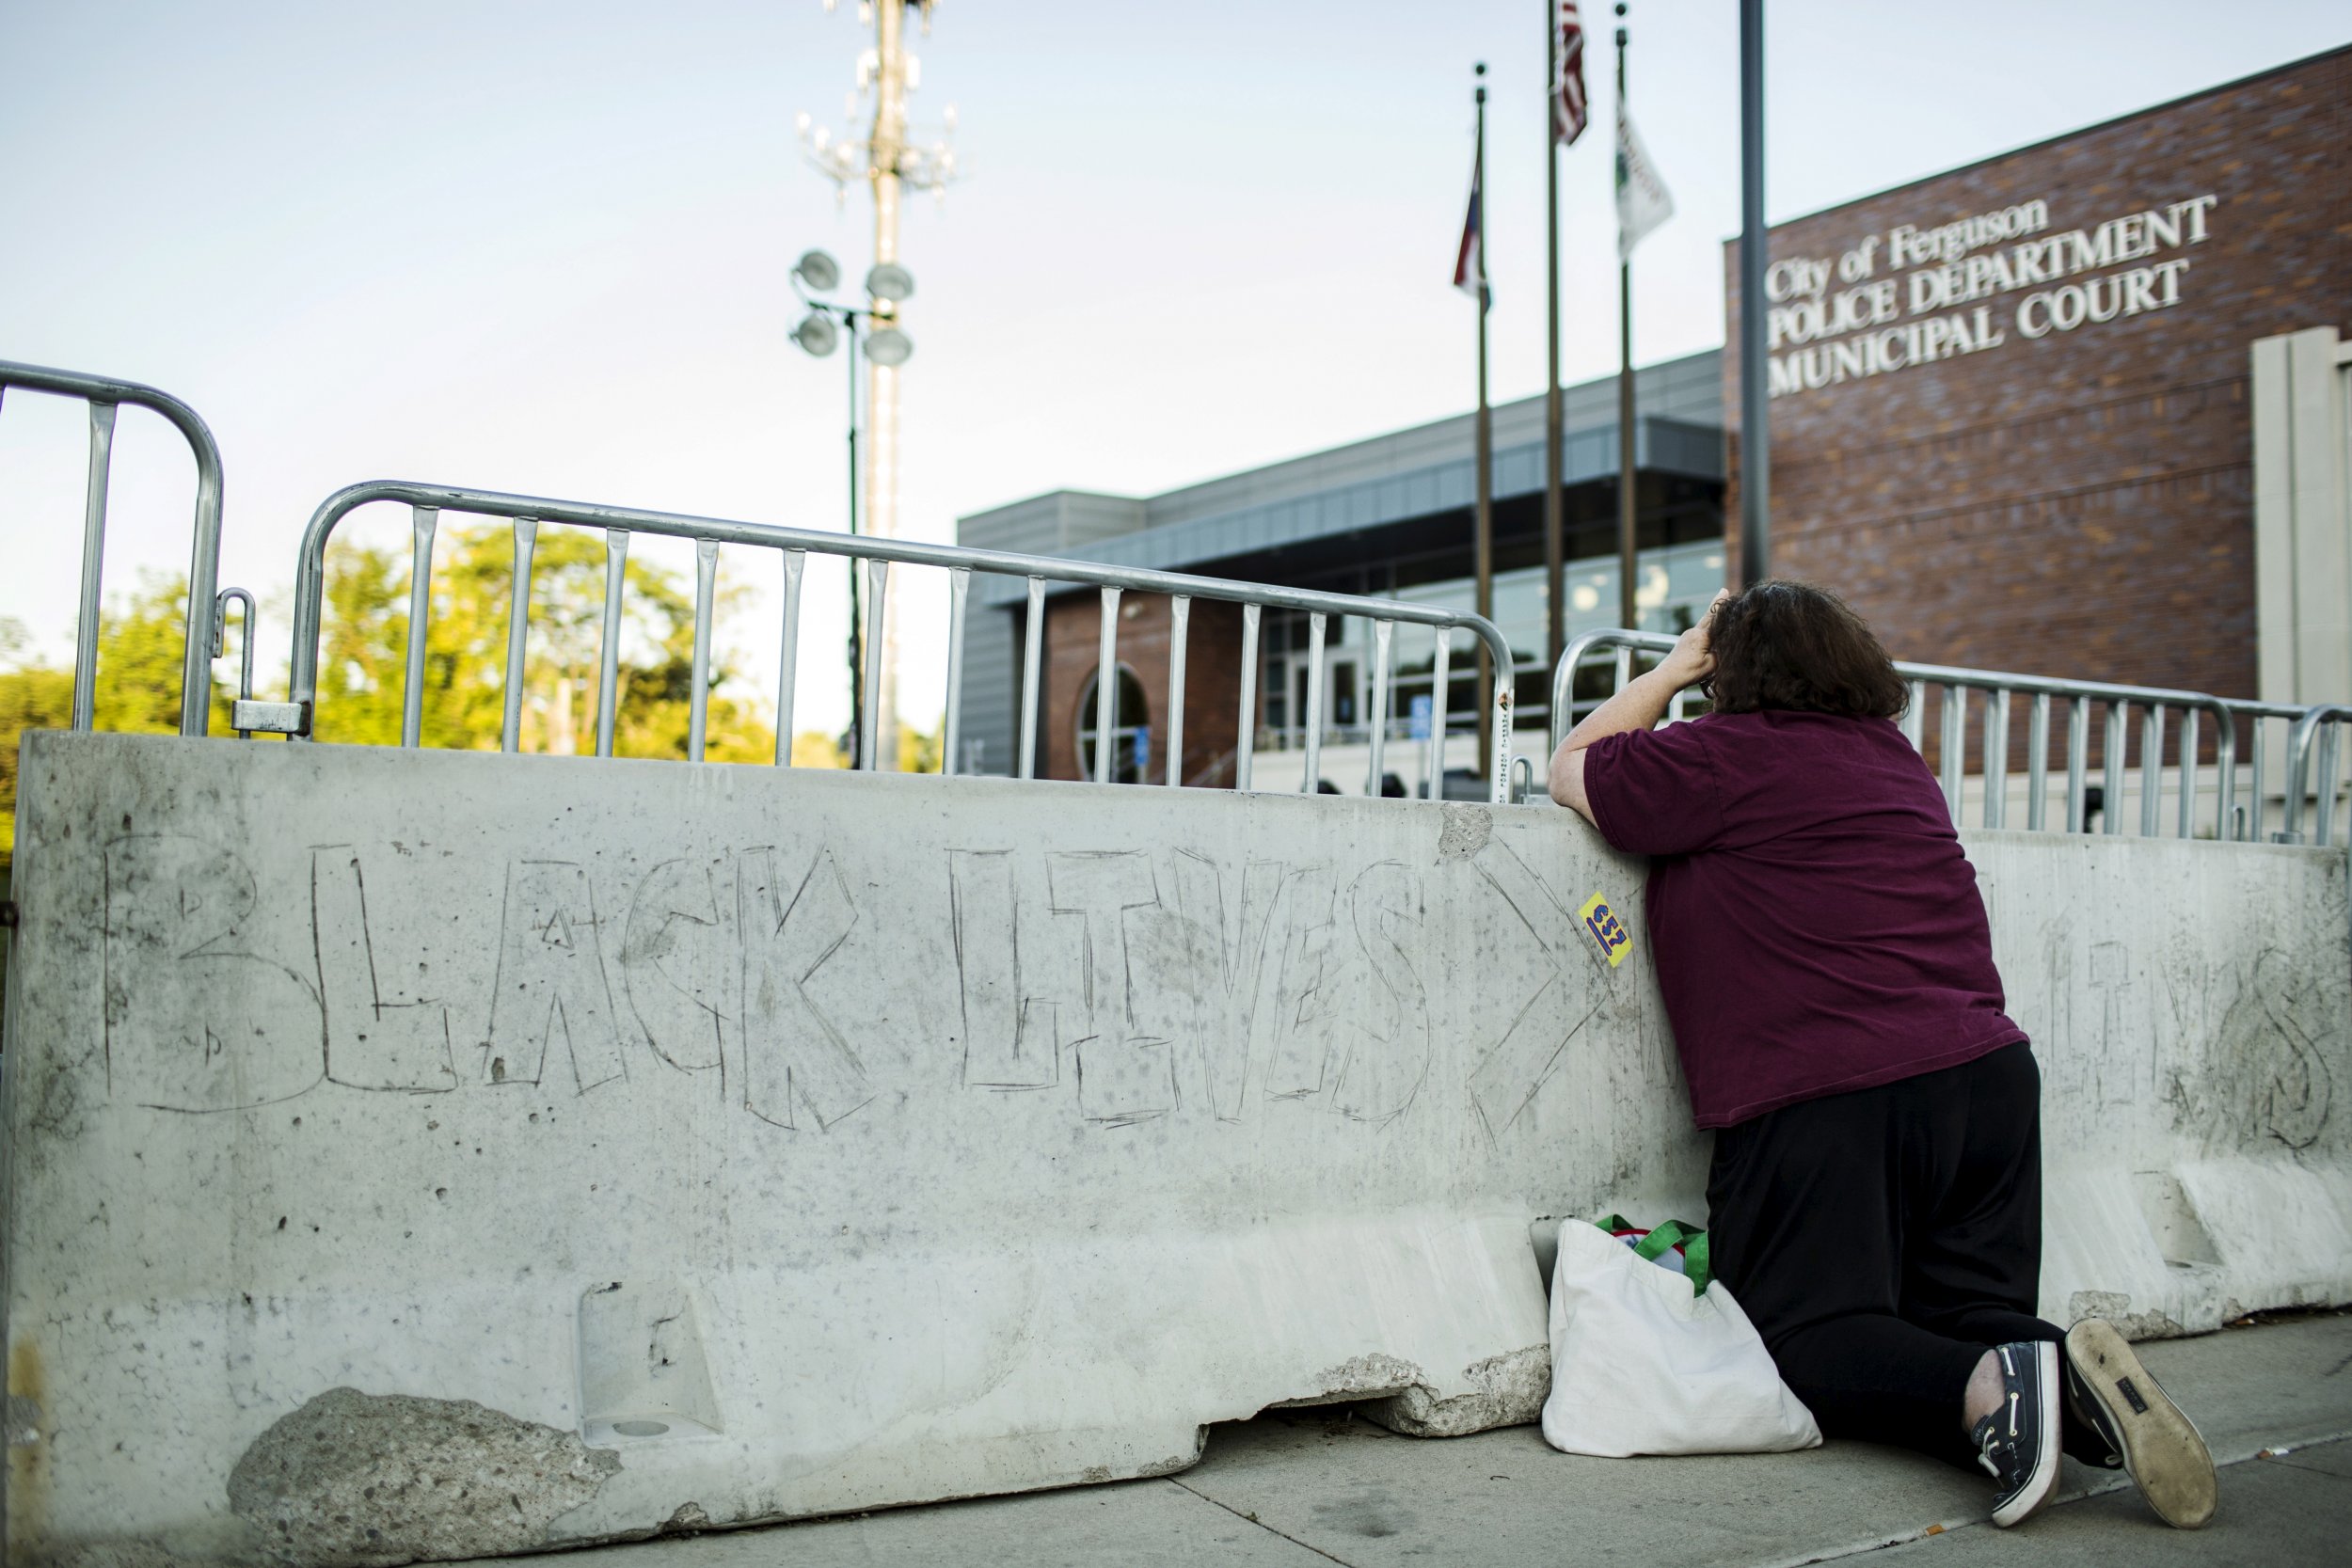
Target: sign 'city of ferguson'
<point>1925,308</point>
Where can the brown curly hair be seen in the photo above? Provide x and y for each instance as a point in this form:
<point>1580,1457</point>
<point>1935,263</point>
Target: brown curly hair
<point>1782,645</point>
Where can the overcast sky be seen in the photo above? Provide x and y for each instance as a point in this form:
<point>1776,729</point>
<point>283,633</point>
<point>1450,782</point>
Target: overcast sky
<point>544,246</point>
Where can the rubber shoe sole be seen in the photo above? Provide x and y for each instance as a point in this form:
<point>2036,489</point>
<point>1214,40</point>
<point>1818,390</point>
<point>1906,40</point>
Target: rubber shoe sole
<point>2163,1451</point>
<point>2030,1499</point>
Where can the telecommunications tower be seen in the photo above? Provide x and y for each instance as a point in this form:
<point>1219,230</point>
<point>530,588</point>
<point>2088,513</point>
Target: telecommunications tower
<point>888,159</point>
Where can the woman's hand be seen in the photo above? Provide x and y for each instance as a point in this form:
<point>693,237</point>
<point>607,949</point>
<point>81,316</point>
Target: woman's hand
<point>1694,657</point>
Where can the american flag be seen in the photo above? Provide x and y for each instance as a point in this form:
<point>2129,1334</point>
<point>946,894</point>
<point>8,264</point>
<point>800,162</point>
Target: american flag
<point>1469,266</point>
<point>1567,80</point>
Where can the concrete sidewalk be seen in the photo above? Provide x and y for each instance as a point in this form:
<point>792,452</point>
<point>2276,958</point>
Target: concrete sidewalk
<point>1299,1488</point>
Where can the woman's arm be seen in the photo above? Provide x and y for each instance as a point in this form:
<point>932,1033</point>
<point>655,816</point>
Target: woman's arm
<point>1638,707</point>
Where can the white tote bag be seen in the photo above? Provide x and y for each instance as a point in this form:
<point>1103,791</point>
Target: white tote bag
<point>1642,1365</point>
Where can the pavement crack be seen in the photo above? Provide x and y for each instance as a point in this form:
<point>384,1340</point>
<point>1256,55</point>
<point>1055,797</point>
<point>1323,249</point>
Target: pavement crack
<point>1253,1519</point>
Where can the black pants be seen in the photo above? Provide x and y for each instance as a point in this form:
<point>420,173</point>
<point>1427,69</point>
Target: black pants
<point>1882,1240</point>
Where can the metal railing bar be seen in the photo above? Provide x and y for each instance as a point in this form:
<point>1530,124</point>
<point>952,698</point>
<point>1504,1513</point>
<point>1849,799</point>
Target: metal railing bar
<point>2328,736</point>
<point>2152,771</point>
<point>1996,761</point>
<point>1246,724</point>
<point>1106,686</point>
<point>196,707</point>
<point>2077,763</point>
<point>788,658</point>
<point>1915,720</point>
<point>2225,769</point>
<point>952,722</point>
<point>517,632</point>
<point>422,521</point>
<point>2254,828</point>
<point>1953,751</point>
<point>877,608</point>
<point>1441,687</point>
<point>1383,633</point>
<point>609,647</point>
<point>1312,778</point>
<point>2188,780</point>
<point>1032,645</point>
<point>698,696</point>
<point>2038,763</point>
<point>86,621</point>
<point>1179,627</point>
<point>2110,786</point>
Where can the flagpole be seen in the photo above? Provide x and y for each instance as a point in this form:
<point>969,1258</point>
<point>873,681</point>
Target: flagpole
<point>1627,612</point>
<point>1554,503</point>
<point>1756,468</point>
<point>1485,535</point>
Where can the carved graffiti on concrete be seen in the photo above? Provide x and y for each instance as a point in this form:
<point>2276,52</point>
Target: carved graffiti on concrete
<point>1181,980</point>
<point>194,1020</point>
<point>1507,1080</point>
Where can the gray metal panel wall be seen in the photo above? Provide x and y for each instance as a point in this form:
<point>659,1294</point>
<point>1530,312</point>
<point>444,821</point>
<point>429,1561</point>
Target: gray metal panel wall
<point>1674,446</point>
<point>1688,389</point>
<point>992,687</point>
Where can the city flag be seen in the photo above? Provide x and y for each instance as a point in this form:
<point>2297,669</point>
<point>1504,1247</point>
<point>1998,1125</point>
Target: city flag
<point>1643,201</point>
<point>1567,76</point>
<point>1470,267</point>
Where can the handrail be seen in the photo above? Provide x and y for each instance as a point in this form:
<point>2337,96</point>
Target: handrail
<point>104,395</point>
<point>2328,719</point>
<point>1955,681</point>
<point>527,512</point>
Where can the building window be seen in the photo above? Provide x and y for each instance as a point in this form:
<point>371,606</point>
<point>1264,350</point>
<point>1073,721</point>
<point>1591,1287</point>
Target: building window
<point>1131,728</point>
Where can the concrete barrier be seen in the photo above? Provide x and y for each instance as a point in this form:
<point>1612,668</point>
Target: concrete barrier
<point>427,1154</point>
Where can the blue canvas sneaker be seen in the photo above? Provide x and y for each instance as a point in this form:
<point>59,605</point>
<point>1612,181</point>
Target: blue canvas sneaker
<point>2018,1444</point>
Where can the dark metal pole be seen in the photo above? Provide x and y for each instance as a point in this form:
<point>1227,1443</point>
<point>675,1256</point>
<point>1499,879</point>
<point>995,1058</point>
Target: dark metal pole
<point>1628,613</point>
<point>1486,529</point>
<point>1755,456</point>
<point>1555,624</point>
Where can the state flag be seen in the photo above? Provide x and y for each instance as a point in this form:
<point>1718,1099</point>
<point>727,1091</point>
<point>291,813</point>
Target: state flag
<point>1642,199</point>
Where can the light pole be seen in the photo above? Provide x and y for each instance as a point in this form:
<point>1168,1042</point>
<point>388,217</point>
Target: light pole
<point>891,157</point>
<point>826,326</point>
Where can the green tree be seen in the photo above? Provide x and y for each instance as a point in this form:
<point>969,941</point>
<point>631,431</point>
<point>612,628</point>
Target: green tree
<point>138,681</point>
<point>363,652</point>
<point>363,659</point>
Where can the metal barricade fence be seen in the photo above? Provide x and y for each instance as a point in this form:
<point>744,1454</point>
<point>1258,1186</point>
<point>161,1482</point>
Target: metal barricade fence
<point>2325,722</point>
<point>104,395</point>
<point>2253,818</point>
<point>1954,684</point>
<point>526,513</point>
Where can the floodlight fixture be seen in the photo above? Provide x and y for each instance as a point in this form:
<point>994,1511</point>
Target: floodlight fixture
<point>816,334</point>
<point>817,270</point>
<point>888,347</point>
<point>890,281</point>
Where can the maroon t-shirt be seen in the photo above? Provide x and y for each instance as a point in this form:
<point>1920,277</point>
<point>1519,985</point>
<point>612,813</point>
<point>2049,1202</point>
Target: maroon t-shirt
<point>1816,925</point>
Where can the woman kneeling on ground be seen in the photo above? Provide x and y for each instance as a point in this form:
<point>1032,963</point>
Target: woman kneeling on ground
<point>1875,1197</point>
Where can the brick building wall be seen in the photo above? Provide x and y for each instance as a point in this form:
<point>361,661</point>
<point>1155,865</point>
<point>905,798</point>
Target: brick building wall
<point>2078,502</point>
<point>1074,627</point>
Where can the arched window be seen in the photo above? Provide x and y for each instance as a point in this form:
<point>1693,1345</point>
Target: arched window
<point>1131,729</point>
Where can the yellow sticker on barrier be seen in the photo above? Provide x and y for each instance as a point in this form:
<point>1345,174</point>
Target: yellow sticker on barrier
<point>1602,924</point>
